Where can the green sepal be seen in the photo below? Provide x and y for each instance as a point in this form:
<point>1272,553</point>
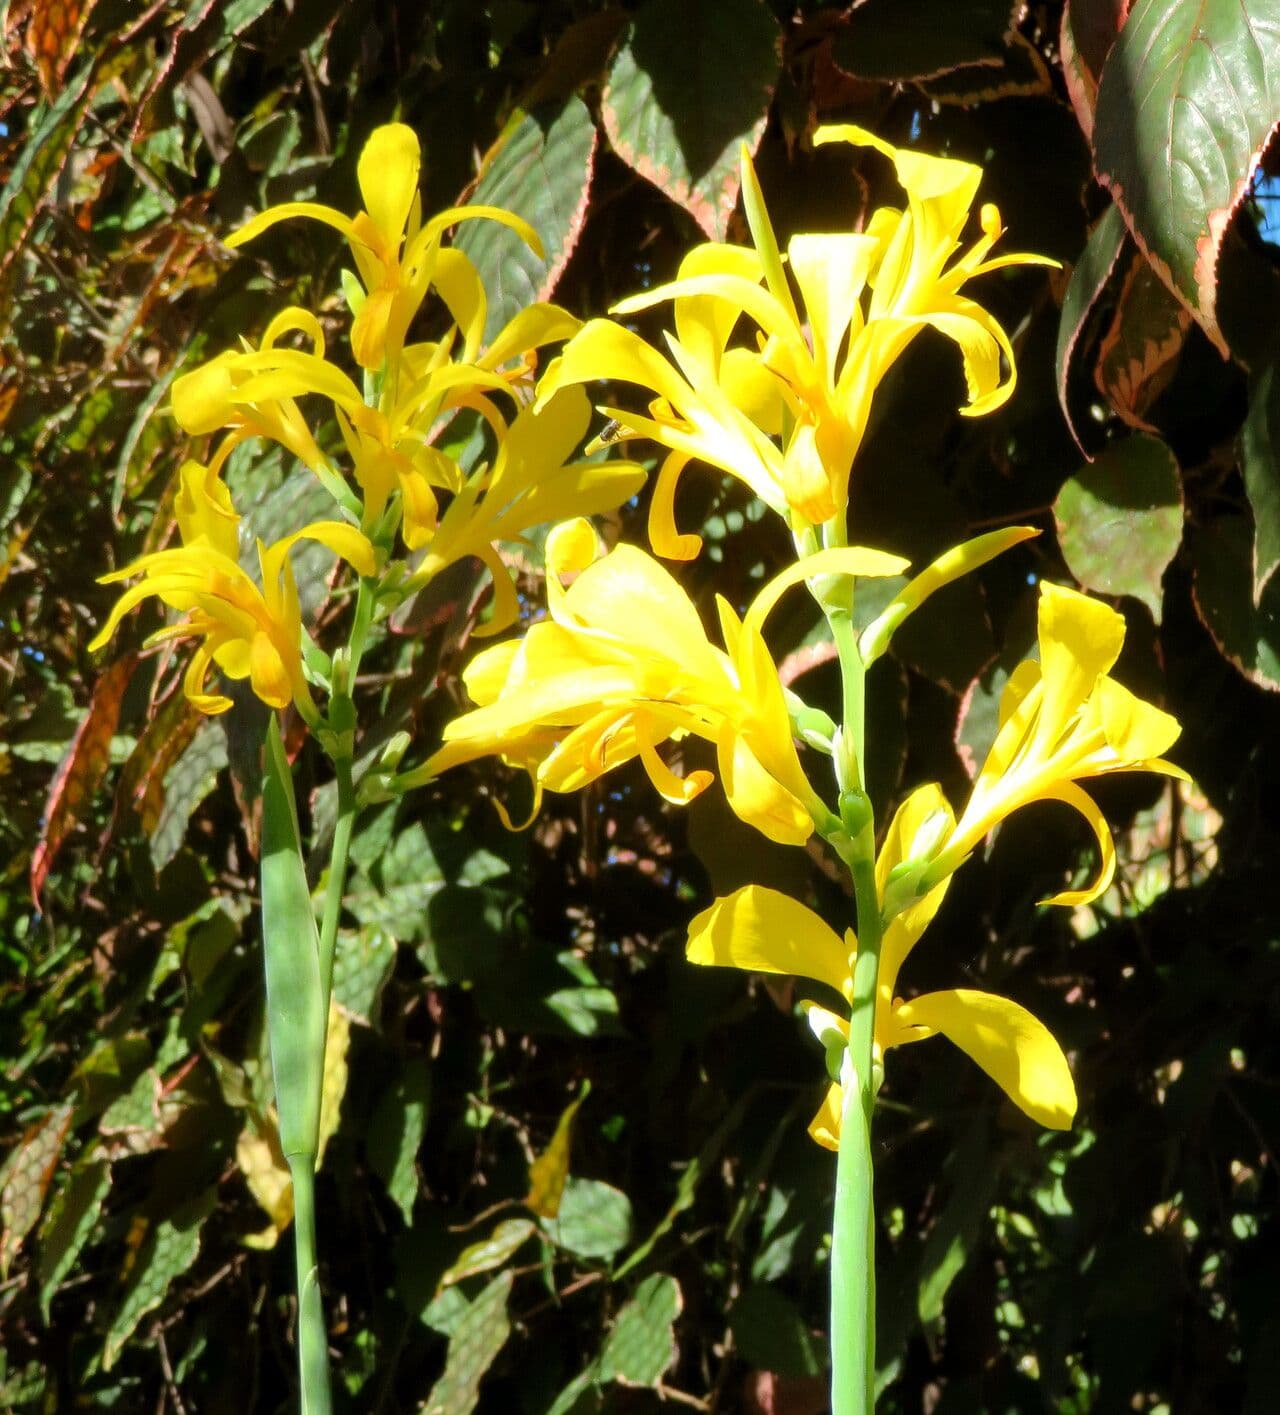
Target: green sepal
<point>291,950</point>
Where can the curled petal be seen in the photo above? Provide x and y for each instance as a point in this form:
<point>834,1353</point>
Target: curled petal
<point>825,1125</point>
<point>1014,1048</point>
<point>1071,795</point>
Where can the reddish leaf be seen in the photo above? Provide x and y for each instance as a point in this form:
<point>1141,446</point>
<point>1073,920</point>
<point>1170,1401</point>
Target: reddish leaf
<point>1089,29</point>
<point>27,1173</point>
<point>55,27</point>
<point>81,770</point>
<point>167,736</point>
<point>1139,353</point>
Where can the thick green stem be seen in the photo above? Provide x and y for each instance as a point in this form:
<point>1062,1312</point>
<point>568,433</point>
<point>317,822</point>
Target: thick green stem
<point>853,1259</point>
<point>336,883</point>
<point>313,1341</point>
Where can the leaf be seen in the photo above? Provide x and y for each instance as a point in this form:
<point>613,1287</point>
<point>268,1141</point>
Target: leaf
<point>1139,353</point>
<point>507,1238</point>
<point>141,787</point>
<point>771,1335</point>
<point>1089,29</point>
<point>594,1219</point>
<point>953,1236</point>
<point>68,1225</point>
<point>32,177</point>
<point>1022,73</point>
<point>396,1130</point>
<point>891,40</point>
<point>51,37</point>
<point>1189,95</point>
<point>548,1173</point>
<point>473,1347</point>
<point>362,964</point>
<point>1088,280</point>
<point>191,778</point>
<point>539,168</point>
<point>1120,520</point>
<point>26,1176</point>
<point>266,1172</point>
<point>81,770</point>
<point>168,1250</point>
<point>690,85</point>
<point>642,1344</point>
<point>1260,463</point>
<point>1246,633</point>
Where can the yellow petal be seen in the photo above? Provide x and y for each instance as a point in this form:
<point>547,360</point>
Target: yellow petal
<point>1135,730</point>
<point>1014,1048</point>
<point>202,398</point>
<point>806,479</point>
<point>531,328</point>
<point>1071,795</point>
<point>204,510</point>
<point>665,538</point>
<point>825,1125</point>
<point>850,560</point>
<point>388,175</point>
<point>765,931</point>
<point>1080,638</point>
<point>831,271</point>
<point>459,285</point>
<point>703,324</point>
<point>286,211</point>
<point>268,675</point>
<point>915,825</point>
<point>757,797</point>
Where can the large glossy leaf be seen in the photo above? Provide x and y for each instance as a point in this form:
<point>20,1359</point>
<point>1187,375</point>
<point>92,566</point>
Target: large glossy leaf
<point>1120,520</point>
<point>918,39</point>
<point>1260,463</point>
<point>1189,95</point>
<point>689,86</point>
<point>1088,281</point>
<point>540,168</point>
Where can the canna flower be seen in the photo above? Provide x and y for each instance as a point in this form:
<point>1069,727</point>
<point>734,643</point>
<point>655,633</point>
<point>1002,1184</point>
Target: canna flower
<point>395,254</point>
<point>787,415</point>
<point>1062,719</point>
<point>624,664</point>
<point>763,931</point>
<point>247,631</point>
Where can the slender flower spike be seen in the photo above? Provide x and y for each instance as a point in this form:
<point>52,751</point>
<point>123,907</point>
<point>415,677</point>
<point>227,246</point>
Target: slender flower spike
<point>246,631</point>
<point>1062,720</point>
<point>786,414</point>
<point>624,664</point>
<point>394,252</point>
<point>763,931</point>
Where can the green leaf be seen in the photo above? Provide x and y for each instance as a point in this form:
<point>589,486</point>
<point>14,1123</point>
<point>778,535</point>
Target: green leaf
<point>690,85</point>
<point>594,1219</point>
<point>473,1347</point>
<point>1260,464</point>
<point>395,1133</point>
<point>1089,279</point>
<point>168,1250</point>
<point>68,1226</point>
<point>362,964</point>
<point>1246,633</point>
<point>771,1335</point>
<point>507,1238</point>
<point>540,168</point>
<point>1189,95</point>
<point>953,1236</point>
<point>642,1344</point>
<point>291,951</point>
<point>25,1179</point>
<point>1120,520</point>
<point>918,39</point>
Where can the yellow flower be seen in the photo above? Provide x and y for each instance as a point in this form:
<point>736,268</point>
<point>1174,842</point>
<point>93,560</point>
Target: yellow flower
<point>395,254</point>
<point>763,931</point>
<point>624,664</point>
<point>807,381</point>
<point>246,631</point>
<point>1062,719</point>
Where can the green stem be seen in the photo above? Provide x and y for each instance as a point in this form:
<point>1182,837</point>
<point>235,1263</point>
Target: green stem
<point>853,1259</point>
<point>313,1341</point>
<point>336,883</point>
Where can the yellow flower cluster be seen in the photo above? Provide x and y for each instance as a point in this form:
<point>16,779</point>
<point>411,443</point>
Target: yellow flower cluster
<point>769,376</point>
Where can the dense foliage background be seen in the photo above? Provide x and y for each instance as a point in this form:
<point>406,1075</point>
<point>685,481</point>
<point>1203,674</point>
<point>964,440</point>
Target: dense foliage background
<point>490,981</point>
